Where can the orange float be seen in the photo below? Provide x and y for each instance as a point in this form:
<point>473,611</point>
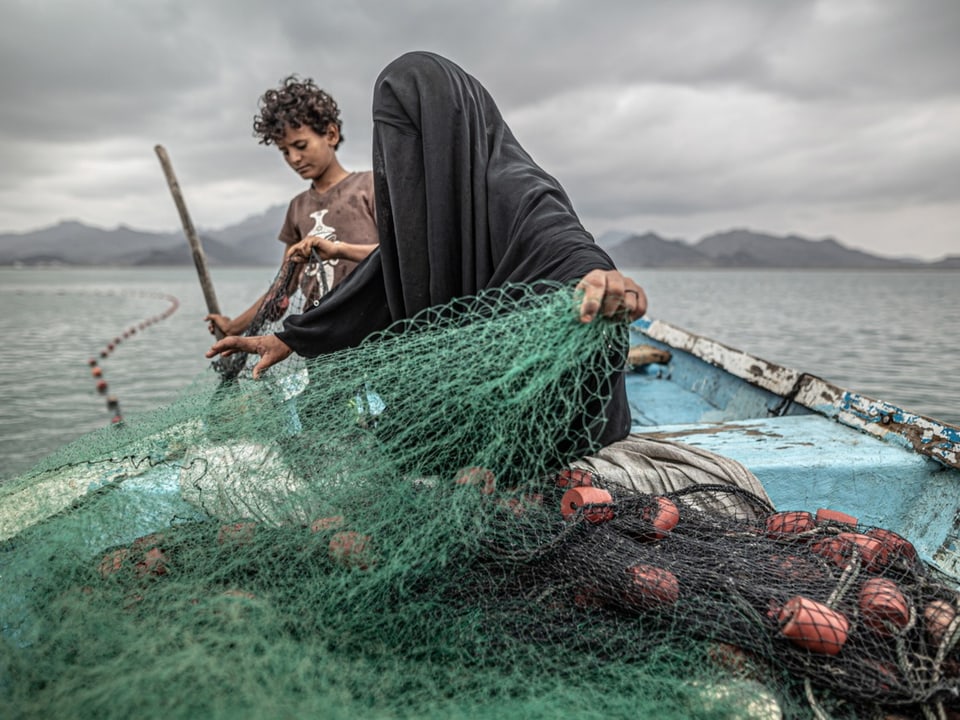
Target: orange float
<point>154,562</point>
<point>587,597</point>
<point>894,545</point>
<point>238,533</point>
<point>649,586</point>
<point>519,506</point>
<point>597,504</point>
<point>574,477</point>
<point>352,549</point>
<point>839,550</point>
<point>326,523</point>
<point>785,525</point>
<point>938,615</point>
<point>883,607</point>
<point>113,562</point>
<point>145,542</point>
<point>796,568</point>
<point>826,516</point>
<point>813,626</point>
<point>663,515</point>
<point>479,476</point>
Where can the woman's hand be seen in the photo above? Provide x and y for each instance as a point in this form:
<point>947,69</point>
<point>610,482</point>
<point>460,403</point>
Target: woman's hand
<point>270,348</point>
<point>610,292</point>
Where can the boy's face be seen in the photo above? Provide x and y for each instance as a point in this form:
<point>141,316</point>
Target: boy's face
<point>307,152</point>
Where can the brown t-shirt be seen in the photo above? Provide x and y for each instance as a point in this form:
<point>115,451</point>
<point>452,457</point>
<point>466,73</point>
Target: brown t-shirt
<point>345,211</point>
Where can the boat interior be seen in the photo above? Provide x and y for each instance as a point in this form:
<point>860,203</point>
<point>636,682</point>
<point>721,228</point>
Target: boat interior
<point>811,444</point>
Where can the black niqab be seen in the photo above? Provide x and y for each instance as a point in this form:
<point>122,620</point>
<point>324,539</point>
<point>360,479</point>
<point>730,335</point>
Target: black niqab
<point>461,207</point>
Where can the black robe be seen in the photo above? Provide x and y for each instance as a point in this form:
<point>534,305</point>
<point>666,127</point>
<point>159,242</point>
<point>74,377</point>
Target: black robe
<point>461,207</point>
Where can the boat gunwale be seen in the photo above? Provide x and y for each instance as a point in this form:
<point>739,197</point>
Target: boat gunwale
<point>926,436</point>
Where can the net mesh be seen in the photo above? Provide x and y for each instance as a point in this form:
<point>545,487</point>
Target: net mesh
<point>399,530</point>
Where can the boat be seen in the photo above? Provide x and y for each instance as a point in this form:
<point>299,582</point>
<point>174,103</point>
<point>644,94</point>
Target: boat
<point>813,445</point>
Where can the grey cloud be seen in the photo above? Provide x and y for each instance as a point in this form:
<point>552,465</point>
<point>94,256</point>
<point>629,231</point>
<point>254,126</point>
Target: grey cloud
<point>652,108</point>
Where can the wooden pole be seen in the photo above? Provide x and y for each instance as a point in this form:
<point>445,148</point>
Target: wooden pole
<point>199,259</point>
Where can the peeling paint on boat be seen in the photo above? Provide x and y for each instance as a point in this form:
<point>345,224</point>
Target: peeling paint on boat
<point>883,420</point>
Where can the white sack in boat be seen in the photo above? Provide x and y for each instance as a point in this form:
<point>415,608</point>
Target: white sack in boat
<point>653,466</point>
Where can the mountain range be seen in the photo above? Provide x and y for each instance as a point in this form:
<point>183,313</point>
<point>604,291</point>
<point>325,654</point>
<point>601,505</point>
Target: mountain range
<point>747,249</point>
<point>252,242</point>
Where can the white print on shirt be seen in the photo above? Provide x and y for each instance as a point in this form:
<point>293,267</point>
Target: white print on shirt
<point>321,229</point>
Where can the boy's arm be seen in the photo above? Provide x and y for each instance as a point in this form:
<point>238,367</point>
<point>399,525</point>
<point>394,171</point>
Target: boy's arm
<point>354,253</point>
<point>328,250</point>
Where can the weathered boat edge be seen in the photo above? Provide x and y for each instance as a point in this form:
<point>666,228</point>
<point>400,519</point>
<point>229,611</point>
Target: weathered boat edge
<point>890,423</point>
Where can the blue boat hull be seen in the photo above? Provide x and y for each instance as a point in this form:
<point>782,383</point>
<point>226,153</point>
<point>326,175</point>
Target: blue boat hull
<point>812,444</point>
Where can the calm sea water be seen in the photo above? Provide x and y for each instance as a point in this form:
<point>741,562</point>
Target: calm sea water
<point>890,335</point>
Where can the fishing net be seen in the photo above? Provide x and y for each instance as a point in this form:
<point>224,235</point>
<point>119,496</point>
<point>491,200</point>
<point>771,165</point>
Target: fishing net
<point>406,530</point>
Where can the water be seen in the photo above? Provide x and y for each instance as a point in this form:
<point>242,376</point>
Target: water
<point>890,335</point>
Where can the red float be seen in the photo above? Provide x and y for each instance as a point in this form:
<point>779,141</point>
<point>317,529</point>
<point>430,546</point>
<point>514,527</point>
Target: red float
<point>597,504</point>
<point>826,516</point>
<point>478,476</point>
<point>649,586</point>
<point>786,525</point>
<point>352,549</point>
<point>663,516</point>
<point>883,607</point>
<point>839,549</point>
<point>574,477</point>
<point>813,626</point>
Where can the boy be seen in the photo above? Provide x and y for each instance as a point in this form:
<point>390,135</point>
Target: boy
<point>334,216</point>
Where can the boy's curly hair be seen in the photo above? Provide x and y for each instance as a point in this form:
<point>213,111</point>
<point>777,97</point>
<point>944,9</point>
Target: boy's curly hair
<point>294,104</point>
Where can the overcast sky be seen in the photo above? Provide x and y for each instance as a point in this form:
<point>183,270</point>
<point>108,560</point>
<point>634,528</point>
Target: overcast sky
<point>838,118</point>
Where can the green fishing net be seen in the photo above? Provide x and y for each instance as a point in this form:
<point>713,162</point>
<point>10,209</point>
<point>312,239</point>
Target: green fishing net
<point>399,530</point>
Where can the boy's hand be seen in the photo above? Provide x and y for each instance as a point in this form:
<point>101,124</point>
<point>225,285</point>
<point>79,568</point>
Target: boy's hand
<point>218,322</point>
<point>300,252</point>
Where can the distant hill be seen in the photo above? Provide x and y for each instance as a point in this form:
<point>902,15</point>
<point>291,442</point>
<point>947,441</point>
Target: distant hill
<point>747,249</point>
<point>216,252</point>
<point>652,251</point>
<point>255,237</point>
<point>74,243</point>
<point>253,242</point>
<point>744,248</point>
<point>951,262</point>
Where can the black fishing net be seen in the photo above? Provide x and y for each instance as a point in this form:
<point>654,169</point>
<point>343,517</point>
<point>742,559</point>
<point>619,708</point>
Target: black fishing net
<point>296,288</point>
<point>402,530</point>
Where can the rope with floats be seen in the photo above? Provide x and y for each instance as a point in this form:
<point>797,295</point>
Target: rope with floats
<point>96,371</point>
